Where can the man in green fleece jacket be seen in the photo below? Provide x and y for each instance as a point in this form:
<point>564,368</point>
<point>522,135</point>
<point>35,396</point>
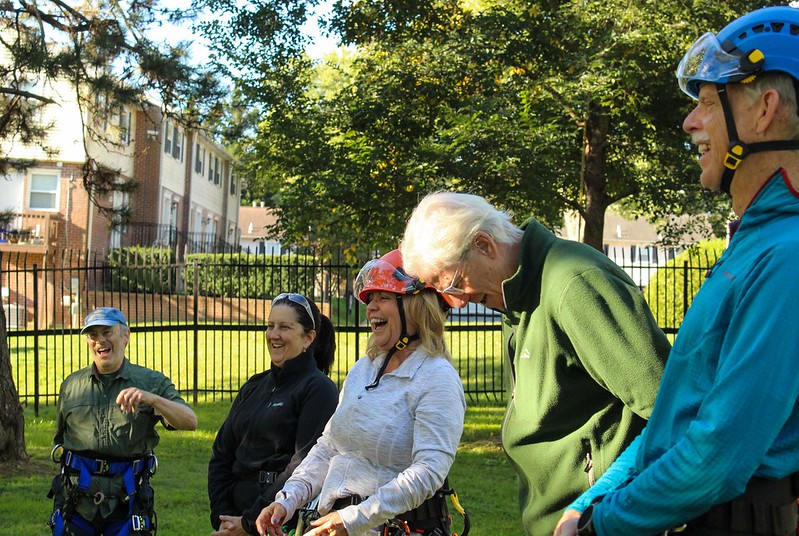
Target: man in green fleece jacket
<point>585,353</point>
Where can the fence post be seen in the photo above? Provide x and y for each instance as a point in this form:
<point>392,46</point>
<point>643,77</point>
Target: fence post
<point>196,328</point>
<point>36,340</point>
<point>685,280</point>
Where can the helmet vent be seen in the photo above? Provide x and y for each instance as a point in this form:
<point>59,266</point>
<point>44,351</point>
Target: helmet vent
<point>794,29</point>
<point>760,28</point>
<point>777,26</point>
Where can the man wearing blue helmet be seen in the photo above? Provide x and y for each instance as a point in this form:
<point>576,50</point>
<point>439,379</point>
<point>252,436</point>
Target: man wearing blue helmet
<point>720,453</point>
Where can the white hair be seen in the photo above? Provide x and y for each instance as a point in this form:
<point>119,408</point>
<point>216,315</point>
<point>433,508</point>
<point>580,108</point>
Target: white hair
<point>442,226</point>
<point>785,85</point>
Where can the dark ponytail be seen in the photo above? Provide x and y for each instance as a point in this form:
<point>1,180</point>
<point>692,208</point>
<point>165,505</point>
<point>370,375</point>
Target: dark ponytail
<point>324,346</point>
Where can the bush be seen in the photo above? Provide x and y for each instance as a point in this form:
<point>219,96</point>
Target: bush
<point>142,269</point>
<point>673,287</point>
<point>245,275</point>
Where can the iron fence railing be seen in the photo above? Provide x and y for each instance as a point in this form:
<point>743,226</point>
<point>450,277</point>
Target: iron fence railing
<point>201,320</point>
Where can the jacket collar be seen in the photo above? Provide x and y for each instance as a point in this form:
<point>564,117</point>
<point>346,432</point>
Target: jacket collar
<point>123,372</point>
<point>524,287</point>
<point>775,197</point>
<point>298,366</point>
<point>408,368</point>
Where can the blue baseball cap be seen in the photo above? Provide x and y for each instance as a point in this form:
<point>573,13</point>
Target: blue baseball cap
<point>103,316</point>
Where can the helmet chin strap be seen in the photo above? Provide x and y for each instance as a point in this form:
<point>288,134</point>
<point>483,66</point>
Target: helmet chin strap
<point>738,150</point>
<point>401,344</point>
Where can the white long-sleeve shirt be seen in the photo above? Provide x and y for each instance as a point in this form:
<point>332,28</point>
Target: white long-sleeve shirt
<point>393,444</point>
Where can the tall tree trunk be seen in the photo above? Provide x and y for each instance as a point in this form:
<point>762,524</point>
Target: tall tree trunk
<point>597,126</point>
<point>12,422</point>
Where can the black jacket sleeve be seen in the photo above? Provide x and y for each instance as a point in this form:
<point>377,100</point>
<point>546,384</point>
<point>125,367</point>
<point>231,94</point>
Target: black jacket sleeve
<point>317,404</point>
<point>220,468</point>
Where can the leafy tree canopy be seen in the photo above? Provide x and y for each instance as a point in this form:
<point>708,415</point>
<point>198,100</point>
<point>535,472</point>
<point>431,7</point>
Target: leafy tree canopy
<point>102,48</point>
<point>542,107</point>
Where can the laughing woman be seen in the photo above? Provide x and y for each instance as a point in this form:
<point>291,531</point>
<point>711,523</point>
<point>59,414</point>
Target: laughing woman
<point>276,417</point>
<point>391,442</point>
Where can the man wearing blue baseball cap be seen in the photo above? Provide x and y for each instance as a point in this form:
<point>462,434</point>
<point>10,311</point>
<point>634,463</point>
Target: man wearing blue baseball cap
<point>720,453</point>
<point>105,435</point>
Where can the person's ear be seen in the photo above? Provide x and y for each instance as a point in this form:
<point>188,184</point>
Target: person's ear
<point>767,110</point>
<point>485,244</point>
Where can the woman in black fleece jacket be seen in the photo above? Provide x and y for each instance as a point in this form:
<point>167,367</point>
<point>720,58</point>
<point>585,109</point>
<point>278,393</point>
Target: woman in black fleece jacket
<point>276,416</point>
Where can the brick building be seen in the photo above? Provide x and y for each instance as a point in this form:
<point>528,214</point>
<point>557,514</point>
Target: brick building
<point>186,196</point>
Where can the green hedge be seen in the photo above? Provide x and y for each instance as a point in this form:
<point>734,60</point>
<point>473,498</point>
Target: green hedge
<point>142,269</point>
<point>250,276</point>
<point>676,283</point>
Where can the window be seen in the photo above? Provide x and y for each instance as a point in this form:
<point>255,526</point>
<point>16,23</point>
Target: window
<point>177,144</point>
<point>232,186</point>
<point>199,160</point>
<point>43,191</point>
<point>218,172</point>
<point>124,126</point>
<point>101,111</point>
<point>211,159</point>
<point>168,138</point>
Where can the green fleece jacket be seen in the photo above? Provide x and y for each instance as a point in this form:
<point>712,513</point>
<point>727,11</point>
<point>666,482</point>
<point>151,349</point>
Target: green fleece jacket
<point>586,357</point>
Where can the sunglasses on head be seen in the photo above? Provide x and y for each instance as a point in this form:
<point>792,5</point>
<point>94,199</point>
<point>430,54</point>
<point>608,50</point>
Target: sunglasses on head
<point>299,299</point>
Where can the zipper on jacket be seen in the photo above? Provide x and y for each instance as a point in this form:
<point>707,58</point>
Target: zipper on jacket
<point>588,467</point>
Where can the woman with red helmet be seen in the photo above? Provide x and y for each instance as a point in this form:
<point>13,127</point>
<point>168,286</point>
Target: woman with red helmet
<point>392,440</point>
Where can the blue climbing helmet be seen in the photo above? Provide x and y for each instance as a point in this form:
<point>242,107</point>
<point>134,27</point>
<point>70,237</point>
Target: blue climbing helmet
<point>765,40</point>
<point>762,41</point>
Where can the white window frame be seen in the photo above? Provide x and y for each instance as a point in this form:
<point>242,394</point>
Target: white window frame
<point>177,143</point>
<point>125,125</point>
<point>167,138</point>
<point>56,193</point>
<point>199,160</point>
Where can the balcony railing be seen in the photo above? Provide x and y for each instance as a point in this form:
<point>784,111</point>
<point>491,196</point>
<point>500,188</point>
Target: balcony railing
<point>32,232</point>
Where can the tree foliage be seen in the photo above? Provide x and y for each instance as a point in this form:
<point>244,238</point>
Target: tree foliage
<point>673,287</point>
<point>542,107</point>
<point>102,49</point>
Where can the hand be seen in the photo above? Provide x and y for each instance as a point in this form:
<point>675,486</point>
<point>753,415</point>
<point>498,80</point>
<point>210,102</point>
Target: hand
<point>270,519</point>
<point>230,526</point>
<point>131,398</point>
<point>567,525</point>
<point>330,524</point>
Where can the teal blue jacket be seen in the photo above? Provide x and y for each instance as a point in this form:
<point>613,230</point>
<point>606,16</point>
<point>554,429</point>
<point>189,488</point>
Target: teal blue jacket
<point>587,358</point>
<point>728,407</point>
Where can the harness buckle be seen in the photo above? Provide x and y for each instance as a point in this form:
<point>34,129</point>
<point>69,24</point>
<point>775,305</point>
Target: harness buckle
<point>98,498</point>
<point>104,467</point>
<point>137,522</point>
<point>267,477</point>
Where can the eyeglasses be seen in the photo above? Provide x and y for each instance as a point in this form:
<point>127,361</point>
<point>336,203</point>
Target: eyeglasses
<point>299,299</point>
<point>100,332</point>
<point>452,290</point>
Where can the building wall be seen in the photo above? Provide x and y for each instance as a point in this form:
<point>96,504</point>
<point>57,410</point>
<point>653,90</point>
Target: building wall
<point>65,136</point>
<point>147,169</point>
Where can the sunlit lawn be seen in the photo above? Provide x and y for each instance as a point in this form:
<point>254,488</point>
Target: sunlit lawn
<point>481,475</point>
<point>216,362</point>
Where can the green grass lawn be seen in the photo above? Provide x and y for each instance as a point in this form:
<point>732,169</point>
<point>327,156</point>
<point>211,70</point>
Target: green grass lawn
<point>481,475</point>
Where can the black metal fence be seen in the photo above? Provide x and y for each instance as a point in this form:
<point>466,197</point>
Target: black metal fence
<point>202,320</point>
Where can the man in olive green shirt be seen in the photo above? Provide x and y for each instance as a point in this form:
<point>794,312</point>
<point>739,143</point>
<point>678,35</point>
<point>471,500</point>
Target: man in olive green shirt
<point>106,420</point>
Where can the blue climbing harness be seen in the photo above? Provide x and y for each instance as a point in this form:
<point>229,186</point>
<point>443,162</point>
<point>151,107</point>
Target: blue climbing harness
<point>132,471</point>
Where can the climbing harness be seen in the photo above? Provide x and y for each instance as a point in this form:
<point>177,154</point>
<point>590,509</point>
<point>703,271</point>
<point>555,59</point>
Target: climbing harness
<point>66,491</point>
